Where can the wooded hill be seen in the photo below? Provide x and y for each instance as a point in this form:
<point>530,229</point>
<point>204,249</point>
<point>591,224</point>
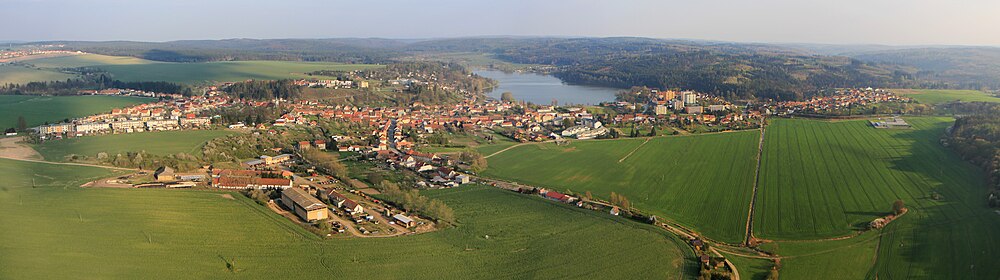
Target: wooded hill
<point>733,70</point>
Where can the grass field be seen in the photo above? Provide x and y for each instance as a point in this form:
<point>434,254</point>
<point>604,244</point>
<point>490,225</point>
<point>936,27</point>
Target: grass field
<point>703,182</point>
<point>824,179</point>
<point>159,143</point>
<point>937,96</point>
<point>136,69</point>
<point>60,231</point>
<point>15,74</point>
<point>39,109</point>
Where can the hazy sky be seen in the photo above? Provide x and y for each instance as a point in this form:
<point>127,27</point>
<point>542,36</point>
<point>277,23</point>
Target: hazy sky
<point>896,22</point>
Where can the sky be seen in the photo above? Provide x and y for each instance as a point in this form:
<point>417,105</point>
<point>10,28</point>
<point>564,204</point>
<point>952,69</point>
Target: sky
<point>888,22</point>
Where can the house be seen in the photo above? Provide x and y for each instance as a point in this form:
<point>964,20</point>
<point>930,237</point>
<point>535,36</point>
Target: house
<point>164,174</point>
<point>304,205</point>
<point>462,179</point>
<point>345,203</point>
<point>404,221</point>
<point>320,144</point>
<point>304,145</point>
<point>553,195</point>
<point>615,211</point>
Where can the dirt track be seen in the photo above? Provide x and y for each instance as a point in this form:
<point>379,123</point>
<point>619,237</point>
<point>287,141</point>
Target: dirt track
<point>13,148</point>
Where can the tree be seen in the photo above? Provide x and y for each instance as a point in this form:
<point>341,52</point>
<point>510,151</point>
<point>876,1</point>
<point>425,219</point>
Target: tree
<point>477,163</point>
<point>568,122</point>
<point>773,275</point>
<point>507,97</point>
<point>898,207</point>
<point>22,125</point>
<point>589,196</point>
<point>324,226</point>
<point>652,131</point>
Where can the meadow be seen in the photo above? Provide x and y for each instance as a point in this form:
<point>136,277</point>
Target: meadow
<point>938,96</point>
<point>61,231</point>
<point>703,182</point>
<point>157,142</point>
<point>826,179</point>
<point>16,74</point>
<point>37,110</point>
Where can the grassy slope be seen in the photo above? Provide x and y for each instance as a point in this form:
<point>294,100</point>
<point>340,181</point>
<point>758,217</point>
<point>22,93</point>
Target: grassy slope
<point>823,179</point>
<point>19,75</point>
<point>937,96</point>
<point>700,181</point>
<point>161,143</point>
<point>57,232</point>
<point>39,109</point>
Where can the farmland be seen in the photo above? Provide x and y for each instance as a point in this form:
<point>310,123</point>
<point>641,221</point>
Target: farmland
<point>134,69</point>
<point>16,74</point>
<point>826,179</point>
<point>704,182</point>
<point>39,109</point>
<point>82,60</point>
<point>132,233</point>
<point>938,96</point>
<point>159,143</point>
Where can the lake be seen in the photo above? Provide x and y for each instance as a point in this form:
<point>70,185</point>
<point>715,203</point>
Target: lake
<point>542,89</point>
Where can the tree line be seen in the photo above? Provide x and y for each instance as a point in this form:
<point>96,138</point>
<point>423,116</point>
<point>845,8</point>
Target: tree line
<point>976,138</point>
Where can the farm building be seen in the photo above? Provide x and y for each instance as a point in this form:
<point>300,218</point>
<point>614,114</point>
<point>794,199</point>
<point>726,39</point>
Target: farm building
<point>893,122</point>
<point>164,174</point>
<point>304,205</point>
<point>403,220</point>
<point>246,183</point>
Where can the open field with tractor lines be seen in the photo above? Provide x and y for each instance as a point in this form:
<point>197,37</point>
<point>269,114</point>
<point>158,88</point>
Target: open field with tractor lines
<point>704,182</point>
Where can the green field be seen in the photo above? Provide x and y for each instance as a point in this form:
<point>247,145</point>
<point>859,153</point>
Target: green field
<point>15,74</point>
<point>819,180</point>
<point>826,179</point>
<point>136,69</point>
<point>39,109</point>
<point>938,96</point>
<point>704,182</point>
<point>58,231</point>
<point>159,143</point>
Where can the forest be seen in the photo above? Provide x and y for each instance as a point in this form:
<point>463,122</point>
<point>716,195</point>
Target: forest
<point>976,138</point>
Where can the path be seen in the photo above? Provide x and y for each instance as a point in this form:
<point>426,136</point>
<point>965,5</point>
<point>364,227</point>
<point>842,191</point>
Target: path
<point>633,150</point>
<point>756,182</point>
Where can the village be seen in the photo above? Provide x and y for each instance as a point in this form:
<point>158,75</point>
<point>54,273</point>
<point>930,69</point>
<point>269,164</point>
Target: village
<point>391,138</point>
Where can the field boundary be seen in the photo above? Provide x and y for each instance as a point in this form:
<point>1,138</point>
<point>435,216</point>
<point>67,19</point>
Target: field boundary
<point>756,183</point>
